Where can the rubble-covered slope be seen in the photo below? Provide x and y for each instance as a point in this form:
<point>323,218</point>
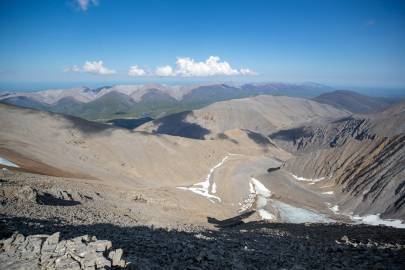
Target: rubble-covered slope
<point>364,156</point>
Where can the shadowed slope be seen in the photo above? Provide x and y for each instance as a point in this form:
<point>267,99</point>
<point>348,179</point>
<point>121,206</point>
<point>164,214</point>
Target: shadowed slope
<point>354,102</point>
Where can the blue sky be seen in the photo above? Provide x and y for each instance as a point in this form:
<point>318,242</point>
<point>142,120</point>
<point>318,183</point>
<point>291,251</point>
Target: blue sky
<point>52,43</point>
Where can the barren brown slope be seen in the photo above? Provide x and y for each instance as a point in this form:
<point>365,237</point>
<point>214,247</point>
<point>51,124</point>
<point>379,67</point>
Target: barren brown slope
<point>154,165</point>
<point>262,114</point>
<point>113,155</point>
<point>354,102</point>
<point>363,155</point>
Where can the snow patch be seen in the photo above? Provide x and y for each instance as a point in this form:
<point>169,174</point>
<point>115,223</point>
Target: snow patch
<point>334,209</point>
<point>8,163</point>
<point>214,188</point>
<point>328,192</point>
<point>308,179</point>
<point>203,188</point>
<point>266,215</point>
<point>294,214</point>
<point>369,219</point>
<point>259,194</point>
<point>260,188</point>
<point>376,220</point>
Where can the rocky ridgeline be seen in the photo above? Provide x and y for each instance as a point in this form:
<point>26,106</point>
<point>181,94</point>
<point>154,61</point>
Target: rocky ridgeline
<point>43,251</point>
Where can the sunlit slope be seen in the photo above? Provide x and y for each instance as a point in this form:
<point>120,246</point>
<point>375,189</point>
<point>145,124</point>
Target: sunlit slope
<point>262,114</point>
<point>78,147</point>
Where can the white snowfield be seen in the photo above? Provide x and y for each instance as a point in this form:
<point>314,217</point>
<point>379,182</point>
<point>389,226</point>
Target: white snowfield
<point>8,163</point>
<point>334,209</point>
<point>308,179</point>
<point>294,214</point>
<point>203,188</point>
<point>376,220</point>
<point>262,197</point>
<point>260,194</point>
<point>285,211</point>
<point>369,219</point>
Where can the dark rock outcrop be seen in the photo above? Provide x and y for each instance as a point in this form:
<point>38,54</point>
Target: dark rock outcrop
<point>43,251</point>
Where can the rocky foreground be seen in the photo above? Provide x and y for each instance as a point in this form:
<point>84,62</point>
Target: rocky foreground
<point>252,245</point>
<point>43,251</point>
<point>69,224</point>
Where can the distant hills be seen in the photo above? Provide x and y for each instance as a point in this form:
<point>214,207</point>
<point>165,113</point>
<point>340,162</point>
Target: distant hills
<point>354,102</point>
<point>153,100</point>
<point>158,100</point>
<point>261,114</point>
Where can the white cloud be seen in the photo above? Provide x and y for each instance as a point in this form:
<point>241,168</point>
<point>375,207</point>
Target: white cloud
<point>135,71</point>
<point>164,71</point>
<point>94,67</point>
<point>188,67</point>
<point>84,4</point>
<point>73,68</point>
<point>185,67</point>
<point>97,67</point>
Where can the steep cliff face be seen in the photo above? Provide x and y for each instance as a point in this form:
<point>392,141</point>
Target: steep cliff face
<point>365,161</point>
<point>316,136</point>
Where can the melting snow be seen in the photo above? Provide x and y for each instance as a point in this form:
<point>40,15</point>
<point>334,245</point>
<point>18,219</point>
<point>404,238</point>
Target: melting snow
<point>203,188</point>
<point>376,220</point>
<point>8,163</point>
<point>298,215</point>
<point>334,209</point>
<point>259,194</point>
<point>370,219</point>
<point>307,179</point>
<point>214,188</point>
<point>266,215</point>
<point>260,188</point>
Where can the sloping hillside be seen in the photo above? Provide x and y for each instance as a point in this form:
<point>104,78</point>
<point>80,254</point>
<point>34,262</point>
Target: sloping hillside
<point>363,156</point>
<point>109,153</point>
<point>354,102</point>
<point>262,114</point>
<point>53,144</point>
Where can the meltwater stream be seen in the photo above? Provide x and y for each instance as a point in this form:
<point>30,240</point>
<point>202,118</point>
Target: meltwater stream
<point>206,188</point>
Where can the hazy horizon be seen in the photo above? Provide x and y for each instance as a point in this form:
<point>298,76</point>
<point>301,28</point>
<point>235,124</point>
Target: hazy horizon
<point>390,92</point>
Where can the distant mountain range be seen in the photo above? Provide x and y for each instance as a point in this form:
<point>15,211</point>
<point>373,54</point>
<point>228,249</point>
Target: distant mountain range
<point>153,100</point>
<point>157,100</point>
<point>354,102</point>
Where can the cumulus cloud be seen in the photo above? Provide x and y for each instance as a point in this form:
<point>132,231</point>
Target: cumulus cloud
<point>93,67</point>
<point>97,67</point>
<point>185,67</point>
<point>84,4</point>
<point>213,66</point>
<point>164,71</point>
<point>136,71</point>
